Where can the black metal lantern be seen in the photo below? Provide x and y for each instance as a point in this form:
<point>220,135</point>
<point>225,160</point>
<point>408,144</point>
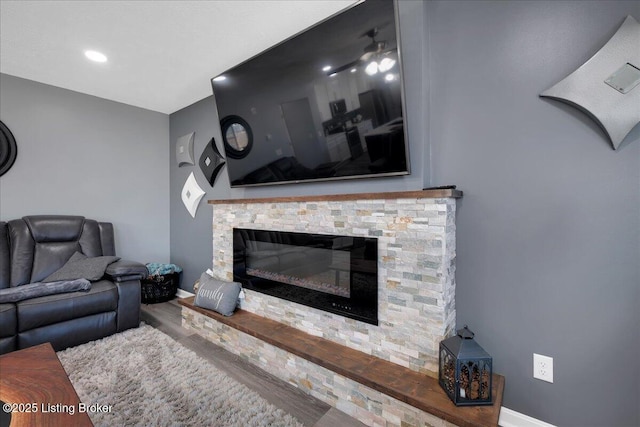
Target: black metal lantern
<point>465,370</point>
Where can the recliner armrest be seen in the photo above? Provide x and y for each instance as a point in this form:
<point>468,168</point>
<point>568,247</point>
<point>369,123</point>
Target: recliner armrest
<point>123,270</point>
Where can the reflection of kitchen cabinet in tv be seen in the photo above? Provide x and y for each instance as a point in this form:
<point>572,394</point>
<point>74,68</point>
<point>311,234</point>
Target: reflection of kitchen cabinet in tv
<point>338,147</point>
<point>364,126</point>
<point>342,145</point>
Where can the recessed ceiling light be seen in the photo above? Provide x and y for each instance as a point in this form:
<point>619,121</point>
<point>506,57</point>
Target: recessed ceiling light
<point>326,68</point>
<point>95,56</point>
<point>220,78</point>
<point>353,70</point>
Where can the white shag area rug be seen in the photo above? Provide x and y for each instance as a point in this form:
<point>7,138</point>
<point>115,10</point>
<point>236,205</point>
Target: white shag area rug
<point>148,379</point>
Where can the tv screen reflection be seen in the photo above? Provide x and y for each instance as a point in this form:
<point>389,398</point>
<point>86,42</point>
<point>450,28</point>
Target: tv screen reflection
<point>326,104</point>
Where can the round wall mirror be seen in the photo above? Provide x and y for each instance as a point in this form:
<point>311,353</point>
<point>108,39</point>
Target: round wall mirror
<point>8,149</point>
<point>237,136</point>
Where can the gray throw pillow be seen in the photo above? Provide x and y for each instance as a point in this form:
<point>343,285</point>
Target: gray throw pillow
<point>35,290</point>
<point>217,295</point>
<point>80,266</point>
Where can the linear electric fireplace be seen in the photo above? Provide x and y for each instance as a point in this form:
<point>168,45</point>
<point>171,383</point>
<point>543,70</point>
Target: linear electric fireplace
<point>338,274</point>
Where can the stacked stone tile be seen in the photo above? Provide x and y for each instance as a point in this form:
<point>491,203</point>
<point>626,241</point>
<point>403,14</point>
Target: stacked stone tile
<point>416,270</point>
<point>369,406</point>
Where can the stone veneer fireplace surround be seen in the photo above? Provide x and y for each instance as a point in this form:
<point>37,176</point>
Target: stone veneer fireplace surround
<point>416,266</point>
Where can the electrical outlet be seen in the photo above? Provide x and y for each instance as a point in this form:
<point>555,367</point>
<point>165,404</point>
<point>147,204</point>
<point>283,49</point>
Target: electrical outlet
<point>543,367</point>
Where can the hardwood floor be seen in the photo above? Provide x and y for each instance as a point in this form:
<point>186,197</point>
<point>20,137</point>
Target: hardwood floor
<point>312,412</point>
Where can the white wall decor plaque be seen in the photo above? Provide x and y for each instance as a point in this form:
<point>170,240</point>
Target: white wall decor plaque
<point>192,194</point>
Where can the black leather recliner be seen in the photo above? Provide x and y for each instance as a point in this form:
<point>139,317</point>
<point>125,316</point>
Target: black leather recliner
<point>34,247</point>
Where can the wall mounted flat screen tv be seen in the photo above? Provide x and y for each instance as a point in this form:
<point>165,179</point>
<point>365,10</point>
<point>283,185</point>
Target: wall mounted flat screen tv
<point>326,104</point>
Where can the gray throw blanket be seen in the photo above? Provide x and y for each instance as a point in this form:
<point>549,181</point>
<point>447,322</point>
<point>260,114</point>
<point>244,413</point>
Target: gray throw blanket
<point>41,289</point>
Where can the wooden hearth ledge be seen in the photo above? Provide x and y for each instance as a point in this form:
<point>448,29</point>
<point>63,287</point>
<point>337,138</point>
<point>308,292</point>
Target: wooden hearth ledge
<point>406,385</point>
<point>419,194</point>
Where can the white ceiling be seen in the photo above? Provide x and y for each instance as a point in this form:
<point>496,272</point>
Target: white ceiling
<point>162,54</point>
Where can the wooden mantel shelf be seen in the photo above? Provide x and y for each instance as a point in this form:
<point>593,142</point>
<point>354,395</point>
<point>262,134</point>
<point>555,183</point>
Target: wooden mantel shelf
<point>406,385</point>
<point>419,194</point>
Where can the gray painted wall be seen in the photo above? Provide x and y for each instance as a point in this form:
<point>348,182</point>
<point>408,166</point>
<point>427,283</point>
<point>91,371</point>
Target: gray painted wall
<point>82,155</point>
<point>548,230</point>
<point>549,225</point>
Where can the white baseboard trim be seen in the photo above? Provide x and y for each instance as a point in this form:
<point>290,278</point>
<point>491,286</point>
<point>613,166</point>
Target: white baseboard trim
<point>184,294</point>
<point>511,418</point>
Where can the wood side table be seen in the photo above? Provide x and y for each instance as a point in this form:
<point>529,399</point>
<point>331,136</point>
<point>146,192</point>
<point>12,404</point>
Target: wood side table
<point>35,386</point>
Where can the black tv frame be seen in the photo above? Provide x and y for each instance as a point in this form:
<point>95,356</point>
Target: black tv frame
<point>402,170</point>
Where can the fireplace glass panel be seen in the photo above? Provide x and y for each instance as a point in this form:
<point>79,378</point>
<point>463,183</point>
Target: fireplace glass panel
<point>333,273</point>
<point>320,269</point>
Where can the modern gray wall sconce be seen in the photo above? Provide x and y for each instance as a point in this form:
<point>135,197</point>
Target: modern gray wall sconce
<point>606,86</point>
<point>191,194</point>
<point>211,161</point>
<point>184,150</point>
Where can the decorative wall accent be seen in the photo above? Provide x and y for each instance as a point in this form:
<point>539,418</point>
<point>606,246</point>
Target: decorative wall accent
<point>605,87</point>
<point>8,149</point>
<point>237,136</point>
<point>192,194</point>
<point>184,150</point>
<point>211,161</point>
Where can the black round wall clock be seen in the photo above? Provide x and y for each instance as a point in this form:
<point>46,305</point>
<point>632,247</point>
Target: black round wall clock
<point>8,149</point>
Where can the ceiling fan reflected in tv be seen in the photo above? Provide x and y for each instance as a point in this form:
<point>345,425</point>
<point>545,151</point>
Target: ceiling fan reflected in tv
<point>376,57</point>
<point>326,104</point>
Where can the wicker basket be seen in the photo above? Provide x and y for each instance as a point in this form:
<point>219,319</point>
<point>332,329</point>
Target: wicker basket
<point>159,288</point>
